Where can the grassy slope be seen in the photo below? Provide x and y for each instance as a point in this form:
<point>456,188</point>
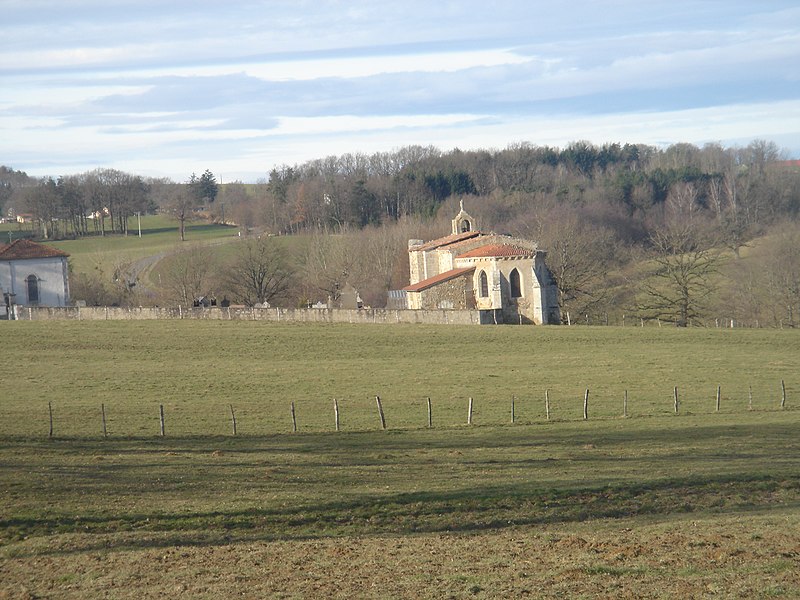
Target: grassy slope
<point>652,506</point>
<point>159,235</point>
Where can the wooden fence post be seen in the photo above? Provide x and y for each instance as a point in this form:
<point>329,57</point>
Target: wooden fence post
<point>783,394</point>
<point>547,404</point>
<point>380,412</point>
<point>675,395</point>
<point>513,399</point>
<point>294,419</point>
<point>50,412</point>
<point>625,404</point>
<point>161,417</point>
<point>469,412</point>
<point>233,418</point>
<point>586,405</point>
<point>719,391</point>
<point>103,414</point>
<point>430,413</point>
<point>336,413</point>
<point>749,397</point>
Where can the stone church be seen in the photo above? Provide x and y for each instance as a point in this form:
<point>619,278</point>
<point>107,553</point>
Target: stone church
<point>503,277</point>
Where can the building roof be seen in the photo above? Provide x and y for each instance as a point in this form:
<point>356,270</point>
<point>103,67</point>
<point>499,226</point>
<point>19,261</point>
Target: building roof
<point>446,241</point>
<point>22,249</point>
<point>497,250</point>
<point>437,279</point>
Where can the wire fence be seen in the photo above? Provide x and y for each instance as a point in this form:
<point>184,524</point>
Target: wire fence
<point>209,418</point>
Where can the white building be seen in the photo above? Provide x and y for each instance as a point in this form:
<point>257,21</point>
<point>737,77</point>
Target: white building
<point>33,274</point>
<point>504,277</point>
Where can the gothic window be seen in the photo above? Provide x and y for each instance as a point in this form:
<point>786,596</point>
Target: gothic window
<point>466,226</point>
<point>516,287</point>
<point>33,289</point>
<point>484,285</point>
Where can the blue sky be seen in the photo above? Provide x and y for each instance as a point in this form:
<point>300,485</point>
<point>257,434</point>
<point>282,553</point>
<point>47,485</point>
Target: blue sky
<point>166,88</point>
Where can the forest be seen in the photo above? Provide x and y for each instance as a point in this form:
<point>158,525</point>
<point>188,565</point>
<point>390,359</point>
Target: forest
<point>681,234</point>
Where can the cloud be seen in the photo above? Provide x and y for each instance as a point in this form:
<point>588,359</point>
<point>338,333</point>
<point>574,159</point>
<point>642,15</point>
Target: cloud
<point>138,81</point>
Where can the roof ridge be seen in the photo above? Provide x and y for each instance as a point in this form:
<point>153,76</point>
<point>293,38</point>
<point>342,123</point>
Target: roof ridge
<point>24,248</point>
<point>497,249</point>
<point>439,278</point>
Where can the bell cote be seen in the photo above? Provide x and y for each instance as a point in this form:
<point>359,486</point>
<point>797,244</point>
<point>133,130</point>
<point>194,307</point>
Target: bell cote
<point>463,223</point>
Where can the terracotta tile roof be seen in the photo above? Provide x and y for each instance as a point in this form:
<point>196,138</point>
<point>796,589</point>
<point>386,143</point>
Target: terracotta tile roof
<point>468,243</point>
<point>500,250</point>
<point>446,241</point>
<point>21,249</point>
<point>436,279</point>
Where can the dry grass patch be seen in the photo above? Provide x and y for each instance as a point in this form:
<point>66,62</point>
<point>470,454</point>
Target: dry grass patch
<point>715,556</point>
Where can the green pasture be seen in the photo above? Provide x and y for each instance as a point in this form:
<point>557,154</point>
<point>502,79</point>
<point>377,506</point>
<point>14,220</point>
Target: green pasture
<point>13,231</point>
<point>657,505</point>
<point>159,236</point>
<point>197,370</point>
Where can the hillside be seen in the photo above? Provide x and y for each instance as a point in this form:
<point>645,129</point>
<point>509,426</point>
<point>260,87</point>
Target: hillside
<point>617,221</point>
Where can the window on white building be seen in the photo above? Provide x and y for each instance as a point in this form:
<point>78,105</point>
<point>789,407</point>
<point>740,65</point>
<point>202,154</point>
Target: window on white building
<point>516,285</point>
<point>33,289</point>
<point>483,287</point>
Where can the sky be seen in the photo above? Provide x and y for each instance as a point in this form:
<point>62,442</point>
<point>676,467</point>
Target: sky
<point>169,88</point>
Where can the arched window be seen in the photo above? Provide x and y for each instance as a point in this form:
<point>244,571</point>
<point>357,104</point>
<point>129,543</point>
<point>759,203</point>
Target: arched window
<point>483,282</point>
<point>33,289</point>
<point>466,226</point>
<point>516,287</point>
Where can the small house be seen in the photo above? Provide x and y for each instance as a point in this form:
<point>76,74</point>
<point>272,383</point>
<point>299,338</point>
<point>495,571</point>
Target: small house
<point>34,274</point>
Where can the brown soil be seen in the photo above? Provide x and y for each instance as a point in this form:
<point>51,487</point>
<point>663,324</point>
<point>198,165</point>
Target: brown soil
<point>719,557</point>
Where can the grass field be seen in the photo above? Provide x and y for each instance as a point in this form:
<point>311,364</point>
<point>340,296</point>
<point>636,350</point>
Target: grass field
<point>658,505</point>
<point>159,236</point>
<point>196,369</point>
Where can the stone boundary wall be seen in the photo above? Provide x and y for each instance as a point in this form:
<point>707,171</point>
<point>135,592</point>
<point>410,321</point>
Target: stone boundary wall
<point>285,315</point>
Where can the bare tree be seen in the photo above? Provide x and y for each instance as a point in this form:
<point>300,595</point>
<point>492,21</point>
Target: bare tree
<point>678,288</point>
<point>579,255</point>
<point>178,201</point>
<point>188,274</point>
<point>259,273</point>
<point>238,205</point>
<point>783,276</point>
<point>383,252</point>
<point>43,201</point>
<point>763,288</point>
<point>682,201</point>
<point>330,262</point>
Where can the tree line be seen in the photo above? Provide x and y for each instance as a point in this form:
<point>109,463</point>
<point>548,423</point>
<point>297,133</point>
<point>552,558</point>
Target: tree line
<point>627,227</point>
<point>98,202</point>
<point>740,186</point>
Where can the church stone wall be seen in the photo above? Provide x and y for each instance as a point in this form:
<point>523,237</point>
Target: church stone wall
<point>454,294</point>
<point>445,262</point>
<point>415,263</point>
<point>431,265</point>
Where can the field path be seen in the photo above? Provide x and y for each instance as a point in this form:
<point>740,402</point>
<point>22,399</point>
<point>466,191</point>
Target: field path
<point>138,271</point>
